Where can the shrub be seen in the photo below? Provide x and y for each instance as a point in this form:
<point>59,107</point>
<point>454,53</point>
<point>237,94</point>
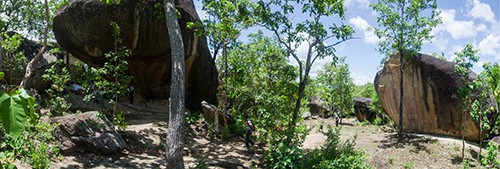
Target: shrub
<point>336,154</point>
<point>491,160</point>
<point>281,156</point>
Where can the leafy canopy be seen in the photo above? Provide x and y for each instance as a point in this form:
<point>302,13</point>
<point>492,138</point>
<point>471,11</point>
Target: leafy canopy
<point>405,25</point>
<point>339,85</point>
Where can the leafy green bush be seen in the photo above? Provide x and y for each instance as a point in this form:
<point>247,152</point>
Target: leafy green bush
<point>59,76</point>
<point>16,106</point>
<point>491,160</point>
<point>119,121</point>
<point>336,154</point>
<point>378,121</point>
<point>33,145</point>
<point>281,156</point>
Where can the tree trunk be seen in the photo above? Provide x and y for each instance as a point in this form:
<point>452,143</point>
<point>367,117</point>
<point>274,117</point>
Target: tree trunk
<point>176,121</point>
<point>480,135</point>
<point>1,54</point>
<point>37,57</point>
<point>401,94</point>
<point>463,132</point>
<point>291,127</point>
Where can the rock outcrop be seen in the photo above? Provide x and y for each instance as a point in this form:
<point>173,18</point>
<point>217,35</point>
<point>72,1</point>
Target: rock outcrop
<point>87,132</point>
<point>15,68</point>
<point>431,102</point>
<point>318,106</point>
<point>83,29</point>
<point>362,109</point>
<point>209,112</point>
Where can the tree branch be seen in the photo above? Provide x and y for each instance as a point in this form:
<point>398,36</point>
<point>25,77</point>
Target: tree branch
<point>339,42</point>
<point>37,57</point>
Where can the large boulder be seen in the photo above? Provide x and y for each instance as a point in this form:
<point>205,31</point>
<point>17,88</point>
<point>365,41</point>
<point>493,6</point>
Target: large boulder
<point>318,107</point>
<point>209,112</point>
<point>87,132</point>
<point>431,101</point>
<point>362,109</point>
<point>15,68</point>
<point>83,29</point>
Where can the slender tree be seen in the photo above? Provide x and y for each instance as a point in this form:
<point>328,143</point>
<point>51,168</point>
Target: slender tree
<point>464,62</point>
<point>339,85</point>
<point>176,121</point>
<point>405,26</point>
<point>37,57</point>
<point>226,19</point>
<point>274,16</point>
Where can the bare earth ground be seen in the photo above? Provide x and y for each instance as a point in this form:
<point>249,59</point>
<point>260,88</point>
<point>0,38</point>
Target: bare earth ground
<point>383,151</point>
<point>147,130</point>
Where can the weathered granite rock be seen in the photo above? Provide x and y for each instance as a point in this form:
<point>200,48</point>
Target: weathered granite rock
<point>431,102</point>
<point>362,109</point>
<point>77,103</point>
<point>15,70</point>
<point>209,111</point>
<point>87,132</point>
<point>318,107</point>
<point>83,28</point>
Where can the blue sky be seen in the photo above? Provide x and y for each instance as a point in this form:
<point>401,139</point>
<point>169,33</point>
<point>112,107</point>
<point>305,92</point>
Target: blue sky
<point>464,21</point>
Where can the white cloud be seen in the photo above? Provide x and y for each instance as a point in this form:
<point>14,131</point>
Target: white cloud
<point>361,3</point>
<point>457,29</point>
<point>480,10</point>
<point>481,28</point>
<point>440,43</point>
<point>478,64</point>
<point>490,46</point>
<point>360,79</point>
<point>454,49</point>
<point>361,24</point>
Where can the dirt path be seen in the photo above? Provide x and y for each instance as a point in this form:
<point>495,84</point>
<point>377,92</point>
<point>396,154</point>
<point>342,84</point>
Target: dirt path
<point>145,140</point>
<point>147,130</point>
<point>383,151</point>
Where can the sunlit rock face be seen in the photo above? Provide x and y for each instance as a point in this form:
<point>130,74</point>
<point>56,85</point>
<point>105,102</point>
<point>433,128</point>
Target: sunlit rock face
<point>83,28</point>
<point>431,101</point>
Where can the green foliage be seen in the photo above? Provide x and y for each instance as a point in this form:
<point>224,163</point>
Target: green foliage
<point>13,60</point>
<point>405,25</point>
<point>409,165</point>
<point>440,56</point>
<point>112,1</point>
<point>7,159</point>
<point>368,91</point>
<point>273,15</point>
<point>336,154</point>
<point>16,106</point>
<point>339,86</point>
<point>260,84</point>
<point>115,68</point>
<point>365,90</point>
<point>474,94</point>
<point>23,16</point>
<point>378,121</point>
<point>37,153</point>
<point>491,160</point>
<point>227,19</point>
<point>283,156</point>
<point>466,164</point>
<point>119,121</point>
<point>404,29</point>
<point>491,78</point>
<point>59,77</point>
<point>476,106</point>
